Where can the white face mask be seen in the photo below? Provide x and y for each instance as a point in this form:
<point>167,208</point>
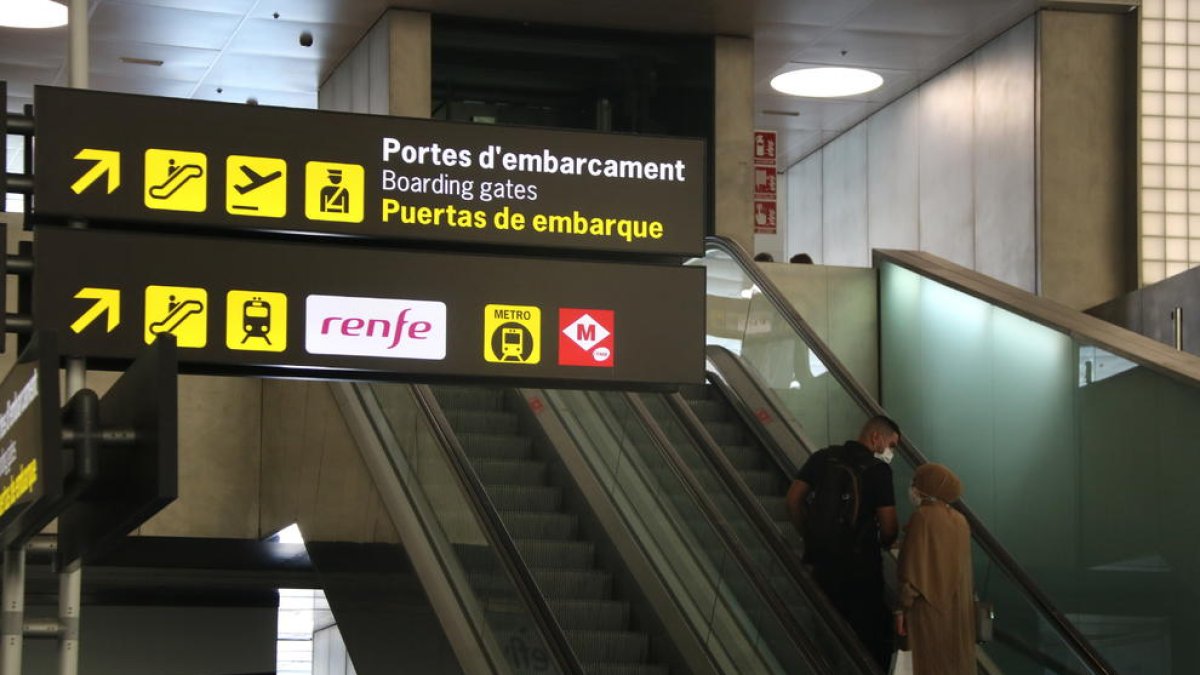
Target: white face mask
<point>886,455</point>
<point>914,497</point>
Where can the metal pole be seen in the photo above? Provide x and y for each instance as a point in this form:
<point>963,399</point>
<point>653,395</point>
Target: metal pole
<point>69,580</point>
<point>1177,318</point>
<point>77,48</point>
<point>14,611</point>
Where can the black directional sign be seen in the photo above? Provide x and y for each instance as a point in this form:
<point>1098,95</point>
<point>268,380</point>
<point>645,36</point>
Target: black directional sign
<point>308,309</point>
<point>30,439</point>
<point>173,161</point>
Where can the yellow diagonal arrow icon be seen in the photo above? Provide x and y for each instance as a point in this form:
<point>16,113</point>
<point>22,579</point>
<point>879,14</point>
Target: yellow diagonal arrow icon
<point>107,161</point>
<point>106,299</point>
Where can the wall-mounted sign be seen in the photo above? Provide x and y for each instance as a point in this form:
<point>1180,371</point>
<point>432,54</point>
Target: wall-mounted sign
<point>175,161</point>
<point>30,439</point>
<point>309,309</point>
<point>766,214</point>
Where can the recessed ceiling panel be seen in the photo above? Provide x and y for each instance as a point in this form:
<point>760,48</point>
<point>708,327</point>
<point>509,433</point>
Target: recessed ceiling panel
<point>178,63</point>
<point>117,22</point>
<point>268,72</point>
<point>276,37</point>
<point>238,7</point>
<point>869,49</point>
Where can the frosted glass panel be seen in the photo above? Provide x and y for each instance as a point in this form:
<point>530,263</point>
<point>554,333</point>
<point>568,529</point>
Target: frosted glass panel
<point>1081,462</point>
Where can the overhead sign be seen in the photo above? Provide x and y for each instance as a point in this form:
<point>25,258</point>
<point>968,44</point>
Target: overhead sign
<point>175,161</point>
<point>30,438</point>
<point>308,309</point>
<point>134,480</point>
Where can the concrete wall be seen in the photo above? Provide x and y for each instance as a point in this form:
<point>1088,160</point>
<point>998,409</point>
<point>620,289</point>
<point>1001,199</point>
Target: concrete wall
<point>733,143</point>
<point>1087,160</point>
<point>387,73</point>
<point>948,168</point>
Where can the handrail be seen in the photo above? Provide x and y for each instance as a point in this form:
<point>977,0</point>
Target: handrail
<point>766,529</point>
<point>496,533</point>
<point>713,516</point>
<point>1144,351</point>
<point>1066,630</point>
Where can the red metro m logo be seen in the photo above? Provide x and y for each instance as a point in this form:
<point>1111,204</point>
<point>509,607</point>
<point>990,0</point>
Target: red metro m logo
<point>586,337</point>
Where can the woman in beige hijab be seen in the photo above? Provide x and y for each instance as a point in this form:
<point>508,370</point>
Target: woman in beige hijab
<point>935,577</point>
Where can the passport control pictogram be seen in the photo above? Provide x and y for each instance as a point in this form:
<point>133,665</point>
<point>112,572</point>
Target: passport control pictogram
<point>586,337</point>
<point>333,192</point>
<point>512,334</point>
<point>179,310</point>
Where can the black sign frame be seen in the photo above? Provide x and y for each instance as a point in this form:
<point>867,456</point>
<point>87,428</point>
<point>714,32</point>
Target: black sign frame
<point>221,149</point>
<point>43,430</point>
<point>659,309</point>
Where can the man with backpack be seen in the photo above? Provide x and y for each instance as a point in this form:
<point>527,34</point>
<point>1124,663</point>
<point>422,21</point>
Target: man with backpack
<point>843,503</point>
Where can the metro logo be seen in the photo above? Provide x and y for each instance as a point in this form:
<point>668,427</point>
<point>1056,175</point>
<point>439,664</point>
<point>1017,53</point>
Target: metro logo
<point>383,327</point>
<point>585,337</point>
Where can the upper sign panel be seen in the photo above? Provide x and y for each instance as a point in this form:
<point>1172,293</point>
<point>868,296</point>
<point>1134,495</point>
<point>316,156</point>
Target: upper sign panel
<point>176,161</point>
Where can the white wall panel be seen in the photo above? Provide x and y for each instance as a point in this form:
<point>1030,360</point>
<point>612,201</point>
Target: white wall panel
<point>892,185</point>
<point>947,204</point>
<point>1005,177</point>
<point>804,233</point>
<point>845,203</point>
<point>377,45</point>
<point>360,77</point>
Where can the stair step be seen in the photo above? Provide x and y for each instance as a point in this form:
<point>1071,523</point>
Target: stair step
<point>557,554</point>
<point>482,421</point>
<point>474,398</point>
<point>609,646</point>
<point>764,482</point>
<point>708,410</point>
<point>510,471</point>
<point>624,669</point>
<point>560,584</point>
<point>743,457</point>
<point>725,433</point>
<point>534,498</point>
<point>776,507</point>
<point>525,525</point>
<point>495,446</point>
<point>591,614</point>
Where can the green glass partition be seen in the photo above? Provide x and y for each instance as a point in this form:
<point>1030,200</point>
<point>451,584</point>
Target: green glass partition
<point>1080,461</point>
<point>766,333</point>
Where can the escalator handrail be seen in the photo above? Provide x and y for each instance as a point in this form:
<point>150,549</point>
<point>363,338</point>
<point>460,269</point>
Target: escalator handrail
<point>496,533</point>
<point>767,531</point>
<point>713,516</point>
<point>1140,349</point>
<point>990,545</point>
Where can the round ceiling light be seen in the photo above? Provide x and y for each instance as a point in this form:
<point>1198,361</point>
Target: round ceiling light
<point>32,14</point>
<point>826,82</point>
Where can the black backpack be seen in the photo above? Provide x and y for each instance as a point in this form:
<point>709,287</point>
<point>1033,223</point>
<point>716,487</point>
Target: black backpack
<point>834,528</point>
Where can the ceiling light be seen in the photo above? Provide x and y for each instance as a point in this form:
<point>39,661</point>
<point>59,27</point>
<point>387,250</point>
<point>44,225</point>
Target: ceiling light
<point>32,14</point>
<point>826,82</point>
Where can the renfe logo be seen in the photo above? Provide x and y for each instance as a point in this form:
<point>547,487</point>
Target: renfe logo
<point>392,329</point>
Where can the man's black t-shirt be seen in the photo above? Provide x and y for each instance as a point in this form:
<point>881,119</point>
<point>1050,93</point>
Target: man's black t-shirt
<point>875,485</point>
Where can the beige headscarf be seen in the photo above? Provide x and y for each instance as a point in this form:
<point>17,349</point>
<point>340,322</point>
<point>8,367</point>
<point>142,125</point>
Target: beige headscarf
<point>937,481</point>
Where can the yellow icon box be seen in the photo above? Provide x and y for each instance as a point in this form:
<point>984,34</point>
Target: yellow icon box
<point>179,310</point>
<point>176,180</point>
<point>333,192</point>
<point>256,321</point>
<point>512,334</point>
<point>256,186</point>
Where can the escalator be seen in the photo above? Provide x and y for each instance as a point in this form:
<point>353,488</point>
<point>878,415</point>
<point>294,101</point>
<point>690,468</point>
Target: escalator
<point>646,533</point>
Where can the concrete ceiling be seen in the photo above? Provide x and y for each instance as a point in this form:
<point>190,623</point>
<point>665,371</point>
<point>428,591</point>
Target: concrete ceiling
<point>234,50</point>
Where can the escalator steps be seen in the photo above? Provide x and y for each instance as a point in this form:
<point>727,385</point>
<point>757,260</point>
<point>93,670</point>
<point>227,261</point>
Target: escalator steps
<point>579,594</point>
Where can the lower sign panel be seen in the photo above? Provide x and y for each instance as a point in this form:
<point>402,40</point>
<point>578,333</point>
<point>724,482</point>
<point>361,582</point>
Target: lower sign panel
<point>312,310</point>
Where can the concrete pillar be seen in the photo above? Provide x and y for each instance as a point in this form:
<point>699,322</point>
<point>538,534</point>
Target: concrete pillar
<point>733,139</point>
<point>1086,156</point>
<point>387,72</point>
